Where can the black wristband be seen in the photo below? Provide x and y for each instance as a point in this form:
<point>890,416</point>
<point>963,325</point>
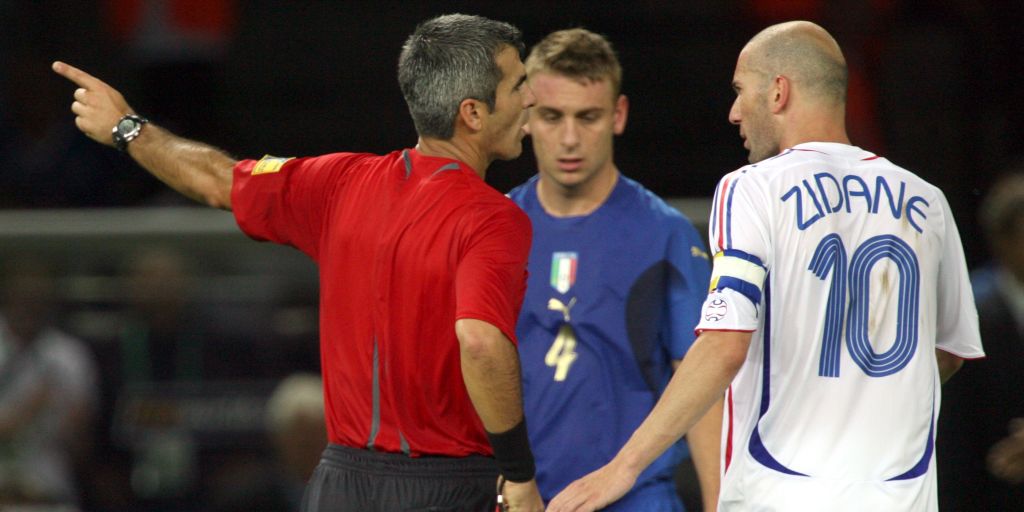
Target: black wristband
<point>512,453</point>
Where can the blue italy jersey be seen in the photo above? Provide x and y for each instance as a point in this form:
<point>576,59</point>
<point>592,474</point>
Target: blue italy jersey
<point>612,299</point>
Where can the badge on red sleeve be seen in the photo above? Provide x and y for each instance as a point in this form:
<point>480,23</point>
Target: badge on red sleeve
<point>269,164</point>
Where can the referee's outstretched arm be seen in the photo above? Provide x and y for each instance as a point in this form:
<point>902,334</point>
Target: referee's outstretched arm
<point>199,171</point>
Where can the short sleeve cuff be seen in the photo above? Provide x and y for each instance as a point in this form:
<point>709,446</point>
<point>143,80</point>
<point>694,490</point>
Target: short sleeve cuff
<point>728,310</point>
<point>501,326</point>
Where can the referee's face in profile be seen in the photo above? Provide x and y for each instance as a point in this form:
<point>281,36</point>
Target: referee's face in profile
<point>504,128</point>
<point>573,126</point>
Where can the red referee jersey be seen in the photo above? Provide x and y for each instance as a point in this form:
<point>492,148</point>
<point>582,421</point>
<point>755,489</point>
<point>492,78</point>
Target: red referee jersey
<point>406,244</point>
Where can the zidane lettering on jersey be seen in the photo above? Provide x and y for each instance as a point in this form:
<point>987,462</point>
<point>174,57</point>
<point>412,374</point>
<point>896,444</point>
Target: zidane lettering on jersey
<point>562,353</point>
<point>829,195</point>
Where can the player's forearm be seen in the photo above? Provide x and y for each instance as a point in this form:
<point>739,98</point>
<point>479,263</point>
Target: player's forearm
<point>699,382</point>
<point>705,441</point>
<point>490,369</point>
<point>948,363</point>
<point>199,171</point>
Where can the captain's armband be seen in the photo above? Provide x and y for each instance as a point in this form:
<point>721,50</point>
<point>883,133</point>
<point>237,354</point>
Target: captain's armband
<point>737,283</point>
<point>738,271</point>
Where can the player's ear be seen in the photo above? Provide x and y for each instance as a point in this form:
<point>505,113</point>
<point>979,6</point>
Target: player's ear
<point>779,93</point>
<point>621,114</point>
<point>472,113</point>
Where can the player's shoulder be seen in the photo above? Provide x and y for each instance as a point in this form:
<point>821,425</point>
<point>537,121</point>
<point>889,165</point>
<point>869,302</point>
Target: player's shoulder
<point>804,154</point>
<point>636,205</point>
<point>884,167</point>
<point>645,202</point>
<point>765,170</point>
<point>801,157</point>
<point>746,177</point>
<point>523,193</point>
<point>345,158</point>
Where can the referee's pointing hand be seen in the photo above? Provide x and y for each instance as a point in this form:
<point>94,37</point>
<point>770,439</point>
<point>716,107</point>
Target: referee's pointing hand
<point>97,106</point>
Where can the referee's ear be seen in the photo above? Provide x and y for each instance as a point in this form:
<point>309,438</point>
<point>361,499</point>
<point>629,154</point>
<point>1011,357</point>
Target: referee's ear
<point>471,114</point>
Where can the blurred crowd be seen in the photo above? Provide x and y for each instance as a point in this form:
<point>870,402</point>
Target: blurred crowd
<point>153,403</point>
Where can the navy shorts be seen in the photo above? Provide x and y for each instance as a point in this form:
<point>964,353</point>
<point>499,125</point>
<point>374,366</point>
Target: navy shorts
<point>351,479</point>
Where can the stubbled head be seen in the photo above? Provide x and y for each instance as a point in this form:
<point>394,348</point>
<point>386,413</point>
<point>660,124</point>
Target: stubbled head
<point>808,60</point>
<point>806,54</point>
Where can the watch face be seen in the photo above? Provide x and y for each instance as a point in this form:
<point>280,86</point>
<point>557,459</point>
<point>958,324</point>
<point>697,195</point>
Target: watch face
<point>126,129</point>
<point>126,125</point>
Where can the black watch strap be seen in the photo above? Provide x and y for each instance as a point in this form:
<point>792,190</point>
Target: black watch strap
<point>126,130</point>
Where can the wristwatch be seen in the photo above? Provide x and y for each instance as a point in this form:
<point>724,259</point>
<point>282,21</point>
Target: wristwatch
<point>127,129</point>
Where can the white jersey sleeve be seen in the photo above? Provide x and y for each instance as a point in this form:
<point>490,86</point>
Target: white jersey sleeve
<point>738,231</point>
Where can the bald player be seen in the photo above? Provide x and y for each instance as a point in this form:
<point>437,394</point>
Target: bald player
<point>839,302</point>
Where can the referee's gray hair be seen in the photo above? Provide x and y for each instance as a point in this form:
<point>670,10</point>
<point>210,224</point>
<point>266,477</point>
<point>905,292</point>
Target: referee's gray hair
<point>448,59</point>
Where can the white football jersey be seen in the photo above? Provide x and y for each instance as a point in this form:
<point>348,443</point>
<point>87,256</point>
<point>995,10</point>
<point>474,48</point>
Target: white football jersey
<point>857,273</point>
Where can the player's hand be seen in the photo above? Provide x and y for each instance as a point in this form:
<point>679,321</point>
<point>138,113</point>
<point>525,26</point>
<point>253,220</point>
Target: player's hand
<point>594,491</point>
<point>98,106</point>
<point>1006,458</point>
<point>523,497</point>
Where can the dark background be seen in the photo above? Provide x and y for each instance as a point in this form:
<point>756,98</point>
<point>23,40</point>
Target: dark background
<point>935,85</point>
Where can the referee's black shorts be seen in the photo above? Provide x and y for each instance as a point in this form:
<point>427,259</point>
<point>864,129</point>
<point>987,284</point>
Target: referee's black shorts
<point>356,480</point>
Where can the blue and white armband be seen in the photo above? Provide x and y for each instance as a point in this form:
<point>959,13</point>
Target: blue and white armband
<point>738,271</point>
<point>737,283</point>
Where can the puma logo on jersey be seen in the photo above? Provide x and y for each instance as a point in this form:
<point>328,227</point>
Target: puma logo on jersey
<point>562,353</point>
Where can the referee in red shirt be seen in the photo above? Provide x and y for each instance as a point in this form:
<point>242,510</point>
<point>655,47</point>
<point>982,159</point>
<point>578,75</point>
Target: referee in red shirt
<point>422,271</point>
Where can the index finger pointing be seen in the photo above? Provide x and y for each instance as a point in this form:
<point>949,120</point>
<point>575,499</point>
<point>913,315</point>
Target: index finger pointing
<point>74,74</point>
